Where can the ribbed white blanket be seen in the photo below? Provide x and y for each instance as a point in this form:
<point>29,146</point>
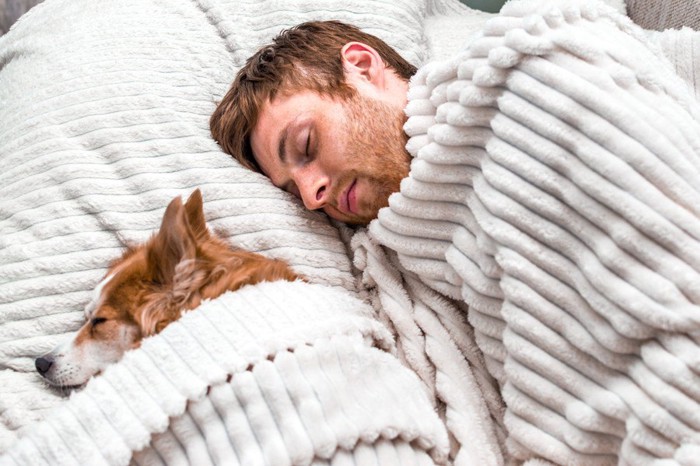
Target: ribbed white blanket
<point>104,109</point>
<point>556,190</point>
<point>253,383</point>
<point>553,190</point>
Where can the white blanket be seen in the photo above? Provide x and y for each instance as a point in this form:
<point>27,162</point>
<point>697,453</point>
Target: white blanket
<point>556,190</point>
<point>104,109</point>
<point>592,345</point>
<point>249,378</point>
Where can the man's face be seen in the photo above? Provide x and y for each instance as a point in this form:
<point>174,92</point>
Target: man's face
<point>342,156</point>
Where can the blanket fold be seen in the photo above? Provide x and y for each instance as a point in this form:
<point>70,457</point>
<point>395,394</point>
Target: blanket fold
<point>555,176</point>
<point>435,341</point>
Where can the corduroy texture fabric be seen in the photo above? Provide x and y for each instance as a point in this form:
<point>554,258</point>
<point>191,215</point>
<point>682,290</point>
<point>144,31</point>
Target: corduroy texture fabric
<point>95,150</point>
<point>258,379</point>
<point>104,110</point>
<point>682,48</point>
<point>555,189</point>
<point>434,339</point>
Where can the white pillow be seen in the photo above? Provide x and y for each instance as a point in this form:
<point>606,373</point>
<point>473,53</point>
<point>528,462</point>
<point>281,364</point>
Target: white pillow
<point>104,110</point>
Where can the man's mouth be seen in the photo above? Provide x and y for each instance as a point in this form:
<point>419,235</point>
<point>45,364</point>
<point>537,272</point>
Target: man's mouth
<point>348,201</point>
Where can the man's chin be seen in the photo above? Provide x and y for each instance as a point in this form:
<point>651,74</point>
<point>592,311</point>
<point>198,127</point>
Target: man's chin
<point>361,219</point>
<point>357,223</point>
<point>365,221</point>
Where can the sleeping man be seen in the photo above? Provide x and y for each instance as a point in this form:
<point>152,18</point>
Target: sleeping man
<point>553,188</point>
<point>320,112</point>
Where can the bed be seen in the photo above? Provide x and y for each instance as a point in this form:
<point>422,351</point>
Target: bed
<point>104,110</point>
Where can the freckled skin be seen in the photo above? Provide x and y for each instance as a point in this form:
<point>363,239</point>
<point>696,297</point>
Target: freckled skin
<point>342,155</point>
<point>151,285</point>
<point>356,141</point>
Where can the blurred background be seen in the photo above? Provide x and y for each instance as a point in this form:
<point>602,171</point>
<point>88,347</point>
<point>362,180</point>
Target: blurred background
<point>492,6</point>
<point>10,10</point>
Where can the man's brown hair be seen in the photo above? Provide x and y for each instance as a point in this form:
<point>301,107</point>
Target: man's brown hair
<point>305,57</point>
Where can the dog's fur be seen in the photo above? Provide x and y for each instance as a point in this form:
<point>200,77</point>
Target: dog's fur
<point>151,286</point>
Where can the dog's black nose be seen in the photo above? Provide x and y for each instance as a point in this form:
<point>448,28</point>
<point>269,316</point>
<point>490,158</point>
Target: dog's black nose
<point>43,365</point>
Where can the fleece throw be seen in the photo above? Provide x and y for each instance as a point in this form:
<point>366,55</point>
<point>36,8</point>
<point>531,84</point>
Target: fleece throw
<point>552,191</point>
<point>250,378</point>
<point>555,189</point>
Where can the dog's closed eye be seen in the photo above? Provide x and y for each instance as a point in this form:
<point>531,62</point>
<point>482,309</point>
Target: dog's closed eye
<point>97,321</point>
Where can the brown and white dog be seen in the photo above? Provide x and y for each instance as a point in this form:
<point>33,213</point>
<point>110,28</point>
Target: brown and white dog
<point>150,286</point>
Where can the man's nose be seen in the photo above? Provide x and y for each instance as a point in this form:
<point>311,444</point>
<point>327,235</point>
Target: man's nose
<point>313,187</point>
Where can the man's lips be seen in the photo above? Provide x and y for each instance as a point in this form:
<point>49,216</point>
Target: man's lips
<point>348,200</point>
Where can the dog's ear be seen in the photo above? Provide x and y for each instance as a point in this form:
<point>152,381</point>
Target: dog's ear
<point>172,245</point>
<point>155,318</point>
<point>195,215</point>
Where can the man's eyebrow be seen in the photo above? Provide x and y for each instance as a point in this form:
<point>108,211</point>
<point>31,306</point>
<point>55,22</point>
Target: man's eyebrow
<point>282,146</point>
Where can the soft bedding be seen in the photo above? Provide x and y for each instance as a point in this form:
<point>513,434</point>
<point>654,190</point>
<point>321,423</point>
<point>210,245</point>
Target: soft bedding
<point>104,109</point>
<point>470,324</point>
<point>555,190</point>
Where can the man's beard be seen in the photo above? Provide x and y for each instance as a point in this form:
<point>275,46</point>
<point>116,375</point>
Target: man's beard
<point>376,146</point>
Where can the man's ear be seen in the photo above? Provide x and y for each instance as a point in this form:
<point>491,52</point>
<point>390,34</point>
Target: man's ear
<point>362,65</point>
